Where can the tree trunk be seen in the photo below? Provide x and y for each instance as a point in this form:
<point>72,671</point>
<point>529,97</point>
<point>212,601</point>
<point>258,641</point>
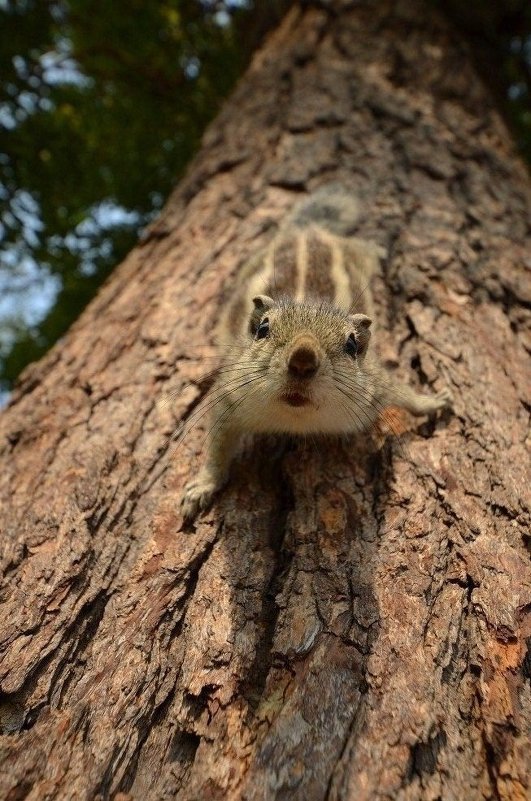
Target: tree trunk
<point>347,621</point>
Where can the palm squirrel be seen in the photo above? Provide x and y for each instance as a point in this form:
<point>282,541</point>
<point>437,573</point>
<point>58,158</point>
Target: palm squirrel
<point>299,362</point>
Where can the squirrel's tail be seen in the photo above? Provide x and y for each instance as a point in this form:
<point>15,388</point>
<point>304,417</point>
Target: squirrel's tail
<point>332,206</point>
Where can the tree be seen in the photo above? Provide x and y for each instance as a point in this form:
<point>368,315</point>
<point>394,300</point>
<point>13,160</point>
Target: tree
<point>346,622</point>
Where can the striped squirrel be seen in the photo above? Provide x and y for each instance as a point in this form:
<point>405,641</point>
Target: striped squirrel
<point>300,363</point>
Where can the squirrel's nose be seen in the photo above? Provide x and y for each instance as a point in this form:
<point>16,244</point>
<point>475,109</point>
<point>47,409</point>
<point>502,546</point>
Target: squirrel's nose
<point>303,362</point>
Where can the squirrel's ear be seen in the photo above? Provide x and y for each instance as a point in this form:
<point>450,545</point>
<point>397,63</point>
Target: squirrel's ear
<point>361,324</point>
<point>261,304</point>
<point>360,321</point>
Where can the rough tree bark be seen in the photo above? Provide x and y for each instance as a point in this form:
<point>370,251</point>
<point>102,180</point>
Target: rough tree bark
<point>347,622</point>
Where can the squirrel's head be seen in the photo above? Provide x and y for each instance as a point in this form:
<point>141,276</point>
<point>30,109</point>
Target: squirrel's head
<point>284,324</point>
<point>308,350</point>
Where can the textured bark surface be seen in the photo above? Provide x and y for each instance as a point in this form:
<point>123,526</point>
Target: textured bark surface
<point>348,621</point>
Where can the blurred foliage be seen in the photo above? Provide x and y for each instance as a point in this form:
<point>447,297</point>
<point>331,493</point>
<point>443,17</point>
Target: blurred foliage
<point>102,104</point>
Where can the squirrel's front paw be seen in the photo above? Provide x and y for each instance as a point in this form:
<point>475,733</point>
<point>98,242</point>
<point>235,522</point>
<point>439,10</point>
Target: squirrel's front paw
<point>197,496</point>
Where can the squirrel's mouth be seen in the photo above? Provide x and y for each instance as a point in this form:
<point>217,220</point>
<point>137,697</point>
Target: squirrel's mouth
<point>295,399</point>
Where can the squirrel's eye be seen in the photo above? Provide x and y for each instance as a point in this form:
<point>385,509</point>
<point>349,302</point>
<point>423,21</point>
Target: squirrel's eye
<point>351,346</point>
<point>263,329</point>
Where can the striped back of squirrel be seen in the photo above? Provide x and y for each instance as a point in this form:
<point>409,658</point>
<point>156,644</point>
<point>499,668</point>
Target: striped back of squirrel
<point>306,264</point>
